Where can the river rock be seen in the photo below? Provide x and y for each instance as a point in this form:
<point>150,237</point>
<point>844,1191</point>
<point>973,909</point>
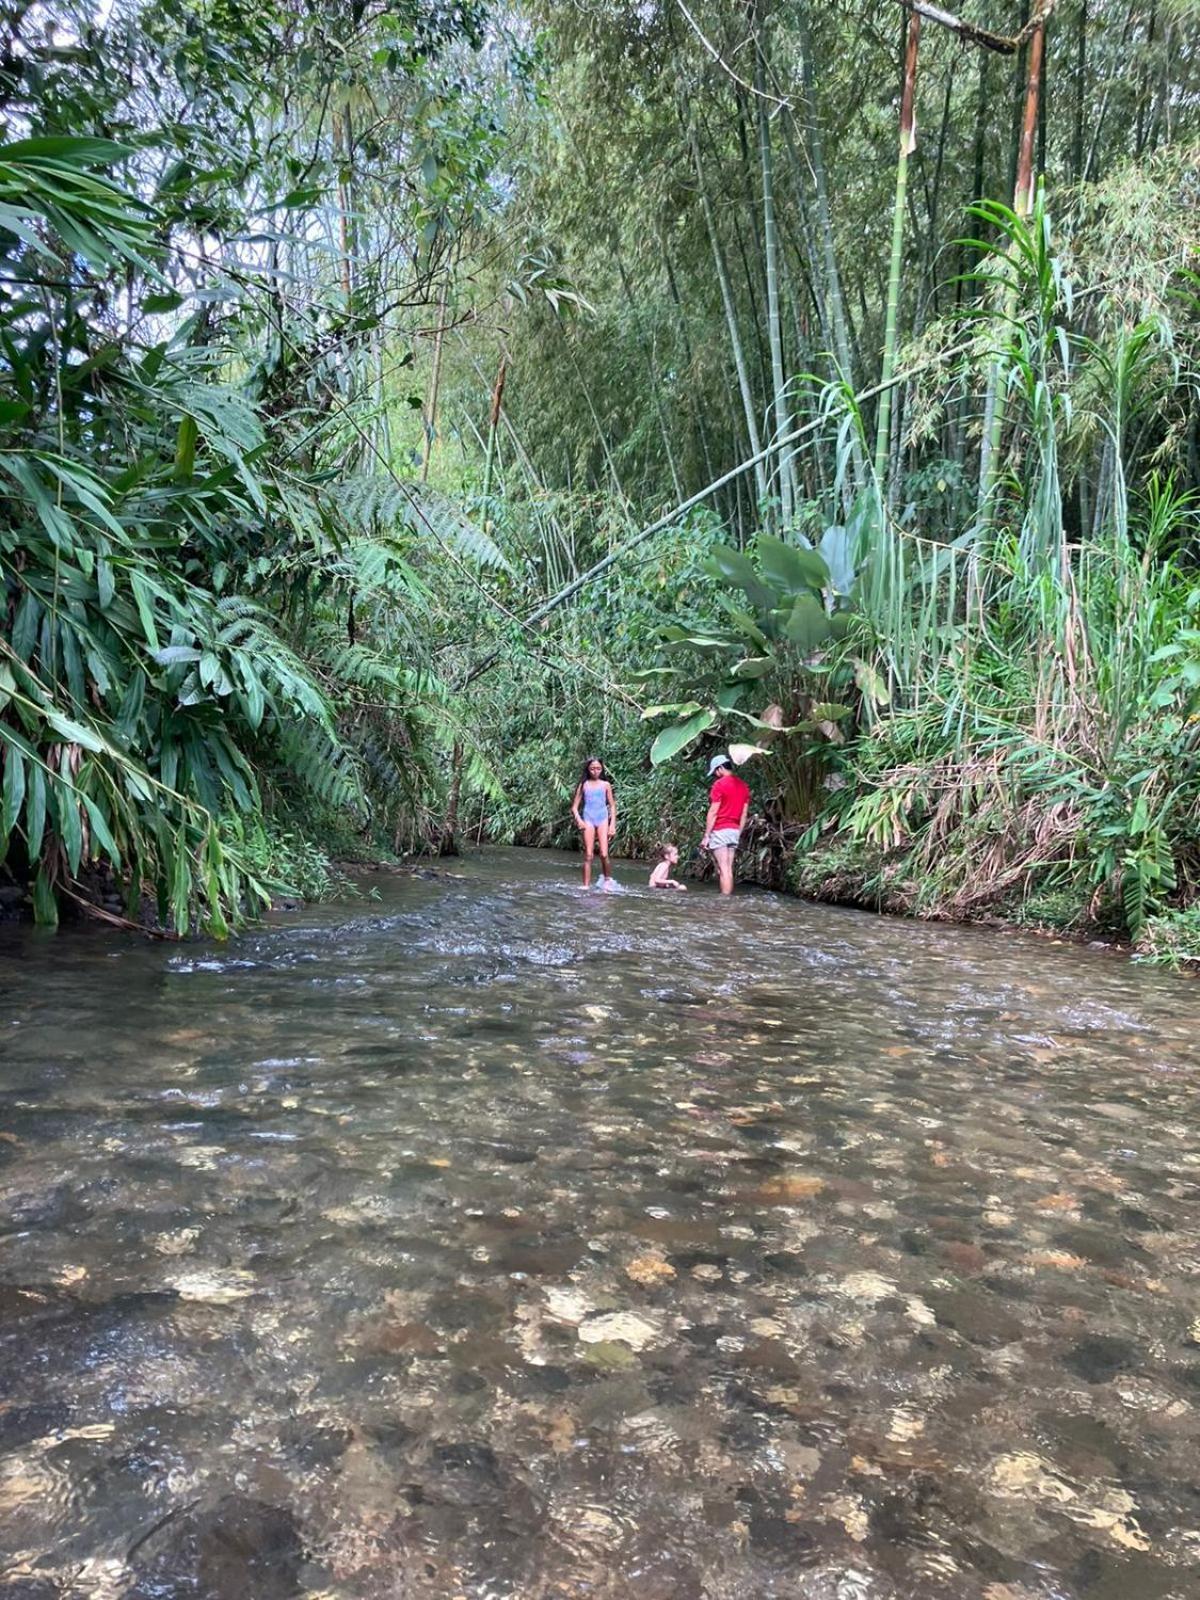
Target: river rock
<point>620,1327</point>
<point>1099,1358</point>
<point>240,1548</point>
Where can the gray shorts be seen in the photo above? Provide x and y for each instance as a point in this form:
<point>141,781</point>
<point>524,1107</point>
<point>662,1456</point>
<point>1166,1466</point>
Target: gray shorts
<point>724,838</point>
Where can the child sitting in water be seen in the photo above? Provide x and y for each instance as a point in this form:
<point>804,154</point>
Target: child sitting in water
<point>661,877</point>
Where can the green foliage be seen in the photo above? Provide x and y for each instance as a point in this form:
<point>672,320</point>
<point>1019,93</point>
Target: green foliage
<point>210,570</point>
<point>343,355</point>
<point>287,859</point>
<point>1172,939</point>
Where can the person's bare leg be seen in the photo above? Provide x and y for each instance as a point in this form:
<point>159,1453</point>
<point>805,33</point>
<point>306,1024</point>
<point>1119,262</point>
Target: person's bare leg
<point>602,841</point>
<point>724,858</point>
<point>589,845</point>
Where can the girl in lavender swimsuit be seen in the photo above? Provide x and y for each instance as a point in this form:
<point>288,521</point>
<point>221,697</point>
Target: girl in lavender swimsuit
<point>595,811</point>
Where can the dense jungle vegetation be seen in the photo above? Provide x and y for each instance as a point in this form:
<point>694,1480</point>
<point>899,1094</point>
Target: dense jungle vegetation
<point>400,401</point>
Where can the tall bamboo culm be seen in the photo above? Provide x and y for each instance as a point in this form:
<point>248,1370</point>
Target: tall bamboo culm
<point>908,143</point>
<point>994,404</point>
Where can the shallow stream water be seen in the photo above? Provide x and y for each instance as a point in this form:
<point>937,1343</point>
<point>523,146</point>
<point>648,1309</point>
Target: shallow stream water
<point>485,1240</point>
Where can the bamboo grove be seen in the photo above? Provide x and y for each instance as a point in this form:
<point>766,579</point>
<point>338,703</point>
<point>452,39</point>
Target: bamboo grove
<point>400,402</point>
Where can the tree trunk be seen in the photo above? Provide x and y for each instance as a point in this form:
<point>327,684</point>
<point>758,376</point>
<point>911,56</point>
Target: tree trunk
<point>688,351</point>
<point>969,258</point>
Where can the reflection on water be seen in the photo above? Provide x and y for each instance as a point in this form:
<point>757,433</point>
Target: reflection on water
<point>488,1241</point>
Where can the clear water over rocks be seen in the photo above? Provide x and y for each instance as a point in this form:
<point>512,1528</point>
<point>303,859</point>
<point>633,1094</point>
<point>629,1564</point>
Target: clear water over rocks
<point>484,1240</point>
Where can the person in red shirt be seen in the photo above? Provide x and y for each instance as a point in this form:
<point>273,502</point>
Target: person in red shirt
<point>729,806</point>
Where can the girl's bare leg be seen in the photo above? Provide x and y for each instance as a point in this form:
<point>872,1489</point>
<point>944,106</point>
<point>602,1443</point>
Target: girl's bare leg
<point>589,846</point>
<point>602,840</point>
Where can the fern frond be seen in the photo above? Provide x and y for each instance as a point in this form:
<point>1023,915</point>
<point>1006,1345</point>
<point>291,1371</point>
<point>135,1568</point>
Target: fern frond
<point>375,505</point>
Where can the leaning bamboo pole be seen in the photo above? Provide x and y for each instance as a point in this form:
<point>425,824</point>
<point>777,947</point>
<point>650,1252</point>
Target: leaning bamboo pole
<point>533,621</point>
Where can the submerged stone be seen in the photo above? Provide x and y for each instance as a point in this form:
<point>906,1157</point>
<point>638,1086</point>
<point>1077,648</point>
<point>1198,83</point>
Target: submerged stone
<point>1100,1358</point>
<point>241,1547</point>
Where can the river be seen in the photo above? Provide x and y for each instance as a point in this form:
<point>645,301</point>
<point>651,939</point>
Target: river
<point>481,1239</point>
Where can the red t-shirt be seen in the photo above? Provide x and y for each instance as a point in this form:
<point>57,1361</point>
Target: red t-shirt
<point>731,794</point>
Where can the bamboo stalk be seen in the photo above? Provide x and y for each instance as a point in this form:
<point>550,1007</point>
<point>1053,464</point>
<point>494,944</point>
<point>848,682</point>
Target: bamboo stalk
<point>434,383</point>
<point>771,267</point>
<point>493,425</point>
<point>731,323</point>
<point>994,404</point>
<point>908,143</point>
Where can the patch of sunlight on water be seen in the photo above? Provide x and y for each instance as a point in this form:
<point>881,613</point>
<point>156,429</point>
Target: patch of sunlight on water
<point>491,1241</point>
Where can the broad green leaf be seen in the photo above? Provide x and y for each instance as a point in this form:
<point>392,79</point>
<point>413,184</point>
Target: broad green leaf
<point>754,667</point>
<point>835,550</point>
<point>734,566</point>
<point>70,830</point>
<point>75,733</point>
<point>871,684</point>
<point>672,740</point>
<point>254,700</point>
<point>101,833</point>
<point>181,884</point>
<point>685,708</point>
<point>14,790</point>
<point>45,905</point>
<point>789,568</point>
<point>143,595</point>
<point>697,641</point>
<point>69,149</point>
<point>807,625</point>
<point>35,812</point>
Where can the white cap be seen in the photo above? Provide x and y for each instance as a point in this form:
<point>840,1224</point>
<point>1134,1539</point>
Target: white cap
<point>718,762</point>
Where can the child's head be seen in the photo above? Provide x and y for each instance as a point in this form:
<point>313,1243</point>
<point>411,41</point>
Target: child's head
<point>668,853</point>
<point>594,771</point>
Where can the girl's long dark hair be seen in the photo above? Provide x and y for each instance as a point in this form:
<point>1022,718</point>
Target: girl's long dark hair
<point>586,777</point>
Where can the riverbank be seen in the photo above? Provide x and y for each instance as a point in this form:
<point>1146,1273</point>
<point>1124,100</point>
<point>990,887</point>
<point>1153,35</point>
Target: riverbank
<point>841,875</point>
